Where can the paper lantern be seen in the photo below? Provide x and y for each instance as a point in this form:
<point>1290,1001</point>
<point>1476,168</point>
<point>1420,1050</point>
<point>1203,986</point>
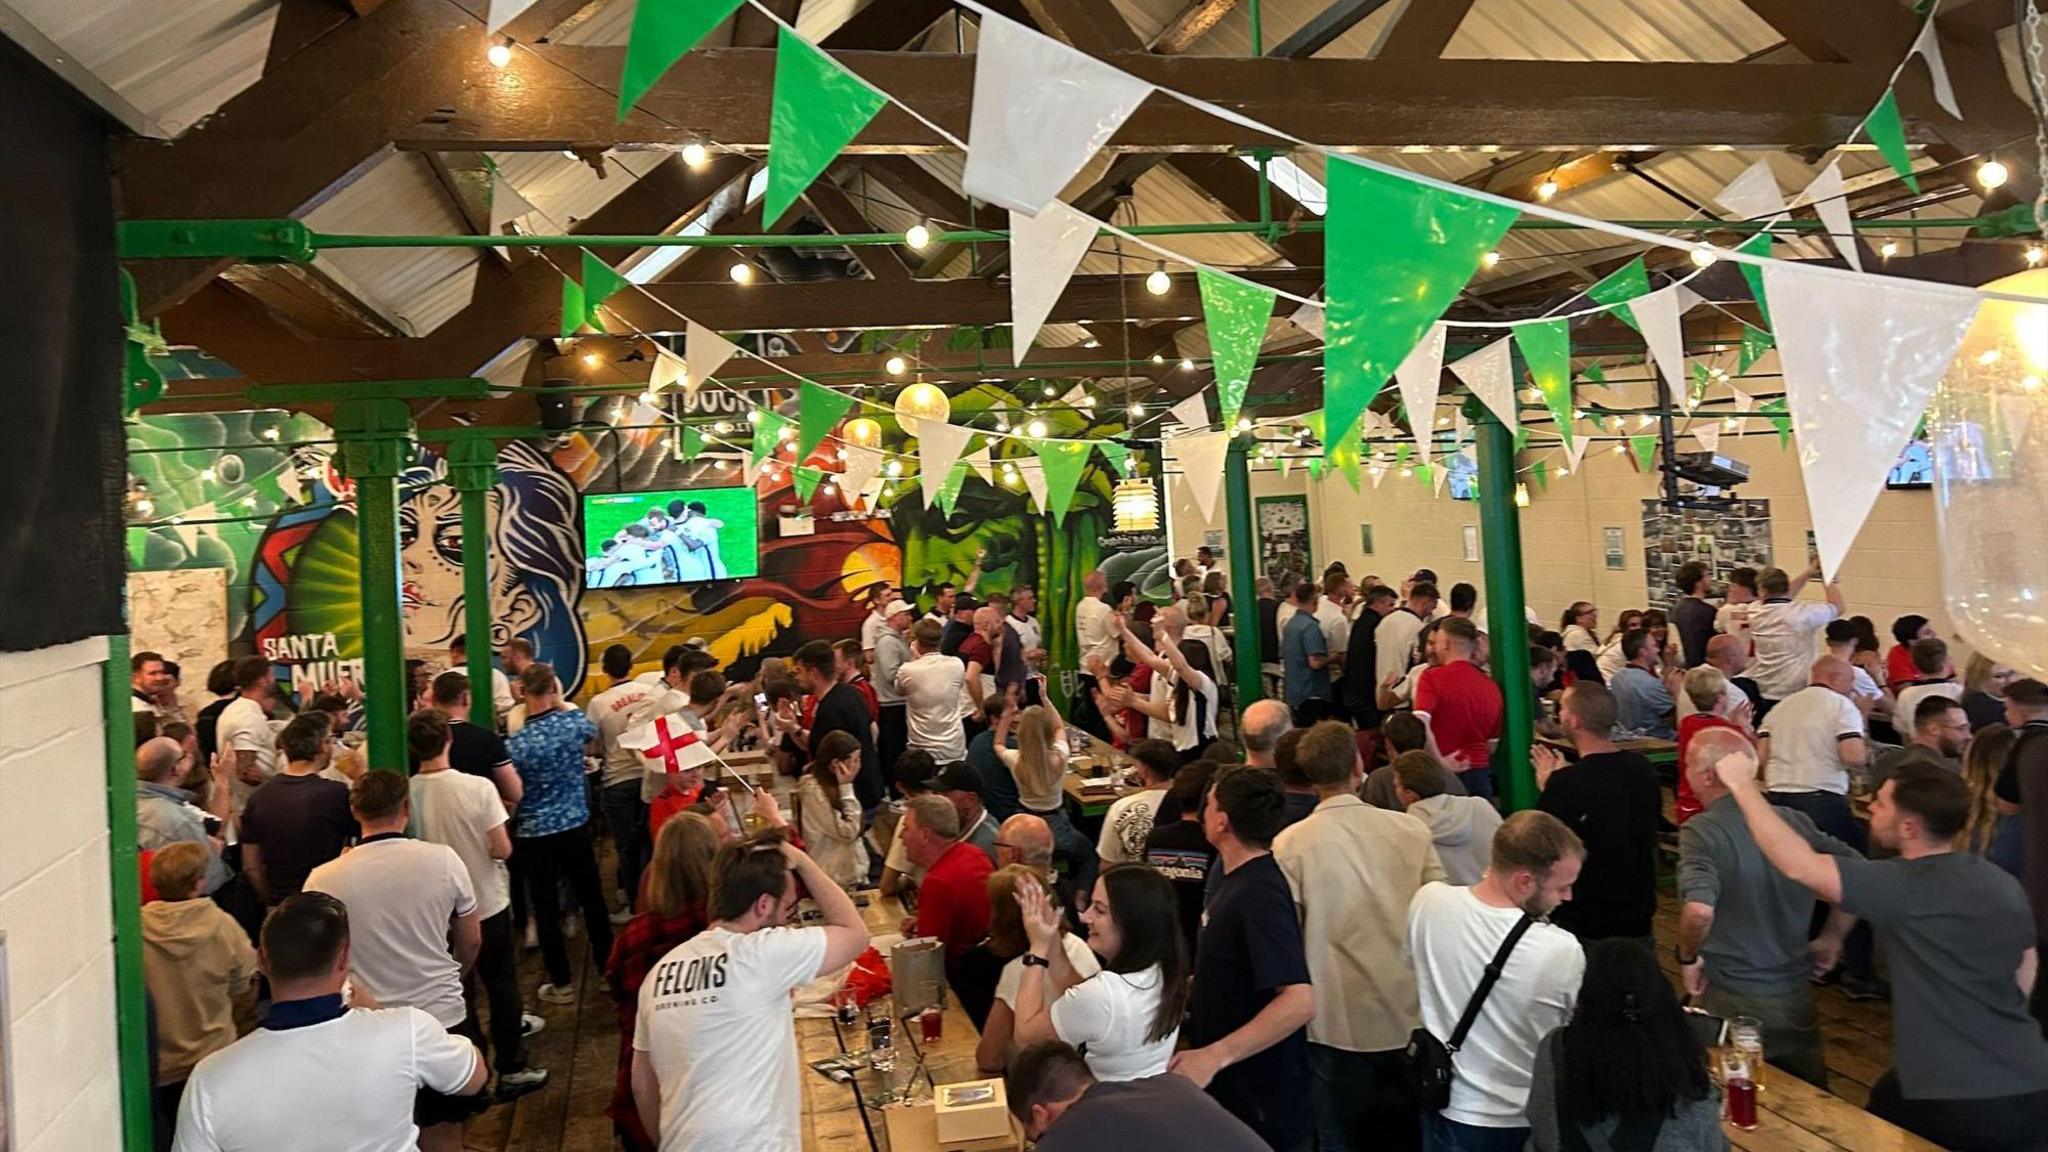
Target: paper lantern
<point>921,401</point>
<point>864,432</point>
<point>1135,504</point>
<point>1988,431</point>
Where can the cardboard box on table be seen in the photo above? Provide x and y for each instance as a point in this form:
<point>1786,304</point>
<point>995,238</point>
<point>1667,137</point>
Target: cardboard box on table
<point>948,1124</point>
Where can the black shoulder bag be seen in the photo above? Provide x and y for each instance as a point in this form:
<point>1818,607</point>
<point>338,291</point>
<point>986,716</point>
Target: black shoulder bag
<point>1430,1071</point>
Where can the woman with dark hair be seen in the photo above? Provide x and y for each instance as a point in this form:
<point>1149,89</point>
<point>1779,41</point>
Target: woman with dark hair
<point>828,813</point>
<point>1127,1015</point>
<point>1989,832</point>
<point>1008,944</point>
<point>1627,1074</point>
<point>1215,586</point>
<point>675,889</point>
<point>1611,660</point>
<point>1189,710</point>
<point>1898,663</point>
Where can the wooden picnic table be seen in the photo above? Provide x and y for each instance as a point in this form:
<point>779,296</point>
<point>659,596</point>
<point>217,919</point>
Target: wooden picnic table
<point>1094,801</point>
<point>1794,1116</point>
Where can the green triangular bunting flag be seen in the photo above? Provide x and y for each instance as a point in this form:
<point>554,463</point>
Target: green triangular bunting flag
<point>1780,419</point>
<point>693,441</point>
<point>1521,438</point>
<point>1315,467</point>
<point>600,280</point>
<point>1236,313</point>
<point>1757,245</point>
<point>572,307</point>
<point>662,32</point>
<point>1116,456</point>
<point>1541,472</point>
<point>949,490</point>
<point>1645,448</point>
<point>818,411</point>
<point>1755,342</point>
<point>1064,462</point>
<point>768,428</point>
<point>1427,474</point>
<point>1626,283</point>
<point>806,480</point>
<point>1400,253</point>
<point>1889,134</point>
<point>1548,349</point>
<point>1346,460</point>
<point>819,109</point>
<point>1595,374</point>
<point>1402,451</point>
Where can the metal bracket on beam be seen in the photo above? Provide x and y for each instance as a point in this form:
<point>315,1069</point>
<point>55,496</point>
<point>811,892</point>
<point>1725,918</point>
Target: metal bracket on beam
<point>375,436</point>
<point>249,241</point>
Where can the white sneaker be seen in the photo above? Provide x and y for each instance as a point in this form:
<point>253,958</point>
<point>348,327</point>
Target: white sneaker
<point>622,915</point>
<point>531,1025</point>
<point>556,994</point>
<point>511,1084</point>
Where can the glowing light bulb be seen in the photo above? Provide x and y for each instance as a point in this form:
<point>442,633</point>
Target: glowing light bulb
<point>1187,365</point>
<point>499,54</point>
<point>753,416</point>
<point>1491,260</point>
<point>1703,256</point>
<point>1645,420</point>
<point>1547,189</point>
<point>1137,409</point>
<point>1243,424</point>
<point>1988,357</point>
<point>696,155</point>
<point>1732,424</point>
<point>896,365</point>
<point>1888,249</point>
<point>893,468</point>
<point>270,433</point>
<point>722,427</point>
<point>1521,495</point>
<point>1002,423</point>
<point>1991,174</point>
<point>741,273</point>
<point>785,433</point>
<point>2030,383</point>
<point>1563,471</point>
<point>918,237</point>
<point>2035,253</point>
<point>1035,429</point>
<point>1159,283</point>
<point>830,488</point>
<point>1159,357</point>
<point>592,360</point>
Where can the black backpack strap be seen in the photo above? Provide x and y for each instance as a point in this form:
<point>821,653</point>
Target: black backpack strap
<point>1487,981</point>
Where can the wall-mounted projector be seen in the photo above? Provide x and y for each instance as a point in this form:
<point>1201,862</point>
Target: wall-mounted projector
<point>1709,469</point>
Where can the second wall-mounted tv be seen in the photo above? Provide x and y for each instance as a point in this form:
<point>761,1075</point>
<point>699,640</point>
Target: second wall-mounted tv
<point>673,536</point>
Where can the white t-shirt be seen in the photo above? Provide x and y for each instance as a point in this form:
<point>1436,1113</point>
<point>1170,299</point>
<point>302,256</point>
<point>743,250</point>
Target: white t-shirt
<point>1452,936</point>
<point>1181,729</point>
<point>1079,958</point>
<point>1125,826</point>
<point>245,727</point>
<point>1733,619</point>
<point>1028,632</point>
<point>931,687</point>
<point>1578,639</point>
<point>1731,699</point>
<point>616,711</point>
<point>1393,639</point>
<point>1111,1013</point>
<point>459,810</point>
<point>1091,628</point>
<point>1912,694</point>
<point>1806,730</point>
<point>872,626</point>
<point>1786,636</point>
<point>1864,688</point>
<point>501,688</point>
<point>401,895</point>
<point>715,1021</point>
<point>1336,627</point>
<point>344,1085</point>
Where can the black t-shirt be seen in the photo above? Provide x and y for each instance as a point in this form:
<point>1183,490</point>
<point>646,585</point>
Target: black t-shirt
<point>477,750</point>
<point>1611,800</point>
<point>1158,1111</point>
<point>300,823</point>
<point>1361,683</point>
<point>1694,619</point>
<point>1010,667</point>
<point>1179,851</point>
<point>2024,781</point>
<point>206,724</point>
<point>844,709</point>
<point>1251,948</point>
<point>1269,630</point>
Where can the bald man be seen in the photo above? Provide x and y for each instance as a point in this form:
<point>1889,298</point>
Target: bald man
<point>1024,839</point>
<point>981,652</point>
<point>165,813</point>
<point>1261,727</point>
<point>1808,743</point>
<point>1730,655</point>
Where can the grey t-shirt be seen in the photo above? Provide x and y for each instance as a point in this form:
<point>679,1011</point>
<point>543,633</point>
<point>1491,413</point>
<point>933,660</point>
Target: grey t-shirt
<point>1757,945</point>
<point>1165,1111</point>
<point>1953,927</point>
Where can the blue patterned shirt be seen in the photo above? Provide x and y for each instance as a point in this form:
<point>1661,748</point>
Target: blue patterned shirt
<point>548,752</point>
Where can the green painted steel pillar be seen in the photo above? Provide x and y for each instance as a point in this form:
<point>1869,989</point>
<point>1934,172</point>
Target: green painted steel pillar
<point>375,437</point>
<point>1500,535</point>
<point>1243,552</point>
<point>131,1010</point>
<point>473,469</point>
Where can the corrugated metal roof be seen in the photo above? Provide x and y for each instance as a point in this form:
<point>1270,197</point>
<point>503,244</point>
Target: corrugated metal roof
<point>174,62</point>
<point>416,289</point>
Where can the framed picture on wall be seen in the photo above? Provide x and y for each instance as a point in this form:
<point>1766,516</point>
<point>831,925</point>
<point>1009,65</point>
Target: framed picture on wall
<point>1365,538</point>
<point>1471,538</point>
<point>1284,538</point>
<point>1615,545</point>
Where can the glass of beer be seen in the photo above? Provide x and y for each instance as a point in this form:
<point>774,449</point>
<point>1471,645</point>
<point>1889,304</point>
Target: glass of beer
<point>1738,1081</point>
<point>1746,1033</point>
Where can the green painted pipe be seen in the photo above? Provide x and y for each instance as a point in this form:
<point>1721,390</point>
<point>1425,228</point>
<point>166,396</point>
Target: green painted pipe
<point>1500,536</point>
<point>376,445</point>
<point>1243,550</point>
<point>131,1009</point>
<point>473,468</point>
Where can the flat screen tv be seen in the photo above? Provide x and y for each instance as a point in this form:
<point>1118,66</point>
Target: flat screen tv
<point>676,536</point>
<point>1463,479</point>
<point>1915,467</point>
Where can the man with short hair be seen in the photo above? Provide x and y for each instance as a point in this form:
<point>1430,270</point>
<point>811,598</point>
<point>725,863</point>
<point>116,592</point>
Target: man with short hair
<point>1970,1069</point>
<point>1461,826</point>
<point>501,684</point>
<point>1732,617</point>
<point>1610,800</point>
<point>1785,635</point>
<point>298,819</point>
<point>617,711</point>
<point>1643,700</point>
<point>1304,652</point>
<point>931,685</point>
<point>1840,639</point>
<point>714,1051</point>
<point>881,596</point>
<point>464,813</point>
<point>1932,676</point>
<point>1454,935</point>
<point>952,899</point>
<point>942,604</point>
<point>1247,1039</point>
<point>319,1076</point>
<point>414,916</point>
<point>981,652</point>
<point>165,813</point>
<point>1742,925</point>
<point>1178,850</point>
<point>2022,789</point>
<point>475,750</point>
<point>1023,620</point>
<point>888,651</point>
<point>245,730</point>
<point>961,786</point>
<point>1463,703</point>
<point>551,829</point>
<point>1730,656</point>
<point>840,708</point>
<point>1353,870</point>
<point>1129,820</point>
<point>1940,731</point>
<point>1693,614</point>
<point>148,681</point>
<point>1360,692</point>
<point>1063,1108</point>
<point>1394,637</point>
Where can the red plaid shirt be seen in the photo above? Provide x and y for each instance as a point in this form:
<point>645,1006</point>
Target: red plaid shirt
<point>640,945</point>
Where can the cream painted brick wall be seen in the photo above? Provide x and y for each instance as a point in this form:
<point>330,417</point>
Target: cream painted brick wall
<point>55,902</point>
<point>1894,569</point>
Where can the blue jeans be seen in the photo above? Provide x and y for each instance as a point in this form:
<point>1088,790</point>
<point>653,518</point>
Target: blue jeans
<point>1441,1135</point>
<point>1344,1092</point>
<point>1478,781</point>
<point>626,816</point>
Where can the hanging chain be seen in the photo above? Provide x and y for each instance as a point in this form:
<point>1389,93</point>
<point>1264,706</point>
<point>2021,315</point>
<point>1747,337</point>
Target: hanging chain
<point>2031,59</point>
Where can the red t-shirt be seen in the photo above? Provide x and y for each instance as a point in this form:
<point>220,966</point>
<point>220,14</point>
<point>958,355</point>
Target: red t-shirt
<point>976,650</point>
<point>952,903</point>
<point>1464,706</point>
<point>1688,804</point>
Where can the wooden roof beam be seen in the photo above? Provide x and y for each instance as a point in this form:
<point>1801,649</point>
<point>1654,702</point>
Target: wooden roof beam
<point>1423,29</point>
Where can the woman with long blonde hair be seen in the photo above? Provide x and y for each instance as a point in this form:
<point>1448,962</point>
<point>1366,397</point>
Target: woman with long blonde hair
<point>1039,765</point>
<point>1987,832</point>
<point>674,892</point>
<point>1984,681</point>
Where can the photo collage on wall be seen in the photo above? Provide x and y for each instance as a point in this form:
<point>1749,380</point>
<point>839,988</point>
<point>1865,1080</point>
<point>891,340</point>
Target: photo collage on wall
<point>1735,535</point>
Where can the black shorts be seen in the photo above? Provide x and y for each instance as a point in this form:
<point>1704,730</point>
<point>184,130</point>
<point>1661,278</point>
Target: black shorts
<point>430,1107</point>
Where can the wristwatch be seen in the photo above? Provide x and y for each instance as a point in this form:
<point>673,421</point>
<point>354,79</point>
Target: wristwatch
<point>1682,961</point>
<point>1035,961</point>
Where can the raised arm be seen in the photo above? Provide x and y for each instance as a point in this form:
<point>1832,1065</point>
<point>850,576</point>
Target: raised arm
<point>1137,649</point>
<point>846,936</point>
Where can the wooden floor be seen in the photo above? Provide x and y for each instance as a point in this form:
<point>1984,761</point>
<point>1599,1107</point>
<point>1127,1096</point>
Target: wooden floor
<point>580,1050</point>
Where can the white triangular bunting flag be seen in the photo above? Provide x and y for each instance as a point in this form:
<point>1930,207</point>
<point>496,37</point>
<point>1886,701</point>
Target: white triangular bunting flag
<point>1657,316</point>
<point>1743,401</point>
<point>1200,456</point>
<point>1831,202</point>
<point>1044,251</point>
<point>1754,195</point>
<point>1929,48</point>
<point>705,352</point>
<point>1041,109</point>
<point>668,369</point>
<point>1490,374</point>
<point>1378,474</point>
<point>2017,413</point>
<point>939,445</point>
<point>1192,412</point>
<point>1437,476</point>
<point>1575,450</point>
<point>1461,428</point>
<point>1309,318</point>
<point>983,467</point>
<point>862,463</point>
<point>1420,376</point>
<point>503,12</point>
<point>1032,470</point>
<point>1860,359</point>
<point>188,534</point>
<point>1708,433</point>
<point>507,205</point>
<point>1686,297</point>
